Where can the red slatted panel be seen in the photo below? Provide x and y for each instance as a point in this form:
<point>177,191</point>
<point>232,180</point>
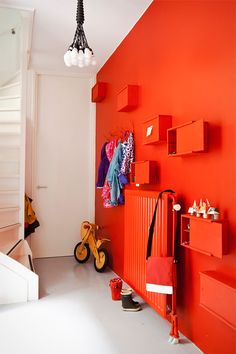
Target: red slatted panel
<point>139,207</point>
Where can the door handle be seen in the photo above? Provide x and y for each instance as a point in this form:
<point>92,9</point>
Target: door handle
<point>40,187</point>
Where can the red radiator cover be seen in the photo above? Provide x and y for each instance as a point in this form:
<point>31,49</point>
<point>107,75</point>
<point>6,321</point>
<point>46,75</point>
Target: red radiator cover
<point>139,207</point>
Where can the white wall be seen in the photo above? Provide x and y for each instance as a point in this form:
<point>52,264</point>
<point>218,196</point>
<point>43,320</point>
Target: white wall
<point>64,162</point>
<point>9,43</point>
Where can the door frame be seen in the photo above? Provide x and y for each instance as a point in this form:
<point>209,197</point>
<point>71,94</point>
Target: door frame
<point>31,135</point>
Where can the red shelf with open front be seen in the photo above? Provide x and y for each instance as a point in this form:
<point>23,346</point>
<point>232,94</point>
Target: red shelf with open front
<point>205,236</point>
<point>143,172</point>
<point>187,139</point>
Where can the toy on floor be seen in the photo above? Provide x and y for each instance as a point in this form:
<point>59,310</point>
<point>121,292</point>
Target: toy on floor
<point>89,244</point>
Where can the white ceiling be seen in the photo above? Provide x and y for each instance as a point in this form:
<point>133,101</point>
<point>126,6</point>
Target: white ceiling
<point>107,22</point>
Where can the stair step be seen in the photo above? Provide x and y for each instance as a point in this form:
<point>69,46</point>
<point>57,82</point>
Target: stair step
<point>11,97</point>
<point>7,184</point>
<point>8,207</point>
<point>10,128</point>
<point>10,116</point>
<point>8,139</point>
<point>9,102</point>
<point>9,168</point>
<point>10,89</point>
<point>10,227</point>
<point>9,147</point>
<point>9,197</point>
<point>3,191</point>
<point>10,122</point>
<point>9,109</point>
<point>4,208</point>
<point>14,79</point>
<point>9,133</point>
<point>19,283</point>
<point>8,247</point>
<point>7,86</point>
<point>8,216</point>
<point>4,158</point>
<point>26,261</point>
<point>9,176</point>
<point>21,253</point>
<point>8,239</point>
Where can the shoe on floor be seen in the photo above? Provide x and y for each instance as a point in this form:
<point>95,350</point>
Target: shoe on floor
<point>128,291</point>
<point>128,304</point>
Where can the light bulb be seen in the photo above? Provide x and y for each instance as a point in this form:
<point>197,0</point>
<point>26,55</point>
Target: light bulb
<point>67,58</point>
<point>86,61</point>
<point>87,53</point>
<point>74,53</point>
<point>74,56</point>
<point>81,55</point>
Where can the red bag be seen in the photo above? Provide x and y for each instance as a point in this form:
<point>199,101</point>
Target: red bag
<point>159,270</point>
<point>159,275</point>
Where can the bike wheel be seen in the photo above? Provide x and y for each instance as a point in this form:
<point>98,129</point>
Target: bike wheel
<point>102,262</point>
<point>82,252</point>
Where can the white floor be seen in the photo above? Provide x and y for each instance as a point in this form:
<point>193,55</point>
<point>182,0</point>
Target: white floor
<point>76,315</point>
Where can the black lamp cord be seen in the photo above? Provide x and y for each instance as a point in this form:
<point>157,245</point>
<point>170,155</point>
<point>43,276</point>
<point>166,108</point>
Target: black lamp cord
<point>80,12</point>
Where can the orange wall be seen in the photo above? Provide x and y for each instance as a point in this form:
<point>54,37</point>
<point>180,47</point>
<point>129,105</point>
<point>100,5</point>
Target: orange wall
<point>182,55</point>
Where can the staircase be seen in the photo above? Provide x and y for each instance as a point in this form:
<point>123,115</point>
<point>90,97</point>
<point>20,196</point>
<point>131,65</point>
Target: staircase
<point>18,279</point>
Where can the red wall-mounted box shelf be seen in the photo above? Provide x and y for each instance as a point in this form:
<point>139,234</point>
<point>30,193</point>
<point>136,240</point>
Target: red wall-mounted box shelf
<point>155,129</point>
<point>143,172</point>
<point>188,138</point>
<point>99,92</point>
<point>127,98</point>
<point>218,296</point>
<point>203,235</point>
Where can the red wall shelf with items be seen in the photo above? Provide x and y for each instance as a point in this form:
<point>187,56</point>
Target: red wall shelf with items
<point>218,296</point>
<point>203,235</point>
<point>187,139</point>
<point>143,172</point>
<point>127,98</point>
<point>155,129</point>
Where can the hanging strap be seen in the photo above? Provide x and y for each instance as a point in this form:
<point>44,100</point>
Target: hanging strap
<point>151,228</point>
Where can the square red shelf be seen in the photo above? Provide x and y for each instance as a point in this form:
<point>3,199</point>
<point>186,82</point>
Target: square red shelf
<point>143,172</point>
<point>218,296</point>
<point>204,235</point>
<point>99,92</point>
<point>188,138</point>
<point>127,99</point>
<point>155,129</point>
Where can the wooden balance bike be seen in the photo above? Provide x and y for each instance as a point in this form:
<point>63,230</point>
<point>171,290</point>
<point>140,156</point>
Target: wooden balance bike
<point>90,244</point>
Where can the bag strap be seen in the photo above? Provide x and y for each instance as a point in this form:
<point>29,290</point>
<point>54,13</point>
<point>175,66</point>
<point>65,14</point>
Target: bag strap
<point>151,228</point>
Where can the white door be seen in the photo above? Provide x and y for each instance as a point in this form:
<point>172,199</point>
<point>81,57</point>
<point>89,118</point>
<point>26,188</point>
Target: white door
<point>63,186</point>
